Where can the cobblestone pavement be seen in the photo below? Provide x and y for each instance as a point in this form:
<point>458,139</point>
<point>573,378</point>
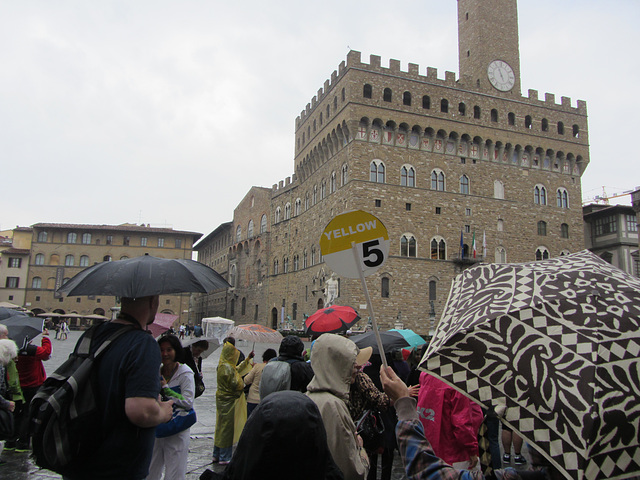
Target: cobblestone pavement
<point>19,466</point>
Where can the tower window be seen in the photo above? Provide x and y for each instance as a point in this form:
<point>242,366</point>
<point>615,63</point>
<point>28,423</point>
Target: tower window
<point>386,96</point>
<point>406,98</point>
<point>560,128</point>
<point>476,112</point>
<point>527,122</point>
<point>494,115</point>
<point>576,131</point>
<point>426,101</point>
<point>511,118</point>
<point>545,125</point>
<point>367,91</point>
<point>444,106</point>
<point>462,109</point>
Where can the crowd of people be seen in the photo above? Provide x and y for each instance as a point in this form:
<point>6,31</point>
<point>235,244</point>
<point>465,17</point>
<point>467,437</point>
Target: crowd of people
<point>283,417</point>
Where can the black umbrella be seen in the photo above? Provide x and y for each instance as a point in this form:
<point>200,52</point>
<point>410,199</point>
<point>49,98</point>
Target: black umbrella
<point>390,341</point>
<point>143,277</point>
<point>9,312</point>
<point>23,328</point>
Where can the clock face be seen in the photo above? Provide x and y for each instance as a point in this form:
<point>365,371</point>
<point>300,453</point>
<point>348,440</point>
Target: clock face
<point>501,75</point>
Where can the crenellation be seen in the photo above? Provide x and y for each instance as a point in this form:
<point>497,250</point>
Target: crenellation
<point>432,73</point>
<point>450,78</point>
<point>314,101</point>
<point>533,94</point>
<point>334,76</point>
<point>354,58</point>
<point>414,69</point>
<point>374,61</point>
<point>566,101</point>
<point>326,87</point>
<point>394,65</point>
<point>550,98</point>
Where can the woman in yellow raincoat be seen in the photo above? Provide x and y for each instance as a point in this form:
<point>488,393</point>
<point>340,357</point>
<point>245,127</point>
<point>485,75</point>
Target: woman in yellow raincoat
<point>231,404</point>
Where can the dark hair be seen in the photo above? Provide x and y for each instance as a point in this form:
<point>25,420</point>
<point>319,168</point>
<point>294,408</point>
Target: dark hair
<point>230,340</point>
<point>202,344</point>
<point>268,354</point>
<point>175,344</point>
<point>291,345</point>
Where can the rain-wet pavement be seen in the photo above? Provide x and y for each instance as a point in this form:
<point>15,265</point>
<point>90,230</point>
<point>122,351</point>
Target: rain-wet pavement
<point>19,466</point>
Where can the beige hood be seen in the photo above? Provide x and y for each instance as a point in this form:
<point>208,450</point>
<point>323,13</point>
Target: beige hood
<point>332,359</point>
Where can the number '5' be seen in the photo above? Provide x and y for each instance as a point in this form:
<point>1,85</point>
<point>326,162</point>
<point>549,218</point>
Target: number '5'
<point>368,250</point>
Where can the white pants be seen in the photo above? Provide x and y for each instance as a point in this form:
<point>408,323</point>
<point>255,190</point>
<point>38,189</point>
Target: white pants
<point>170,454</point>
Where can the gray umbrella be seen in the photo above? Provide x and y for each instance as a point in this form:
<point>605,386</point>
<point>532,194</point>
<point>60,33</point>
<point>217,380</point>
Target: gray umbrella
<point>23,328</point>
<point>144,276</point>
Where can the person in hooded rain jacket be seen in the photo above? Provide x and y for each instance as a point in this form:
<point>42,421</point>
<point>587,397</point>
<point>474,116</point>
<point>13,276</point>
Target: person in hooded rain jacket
<point>231,403</point>
<point>335,361</point>
<point>284,438</point>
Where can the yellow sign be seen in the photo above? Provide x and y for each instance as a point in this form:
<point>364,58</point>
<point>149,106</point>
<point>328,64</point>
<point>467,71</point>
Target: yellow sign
<point>367,232</point>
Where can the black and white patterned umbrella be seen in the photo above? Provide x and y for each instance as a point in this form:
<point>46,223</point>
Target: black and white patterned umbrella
<point>557,343</point>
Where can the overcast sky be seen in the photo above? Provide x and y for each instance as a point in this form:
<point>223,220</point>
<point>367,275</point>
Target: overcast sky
<point>167,112</point>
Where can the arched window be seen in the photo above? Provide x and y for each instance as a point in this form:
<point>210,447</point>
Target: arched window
<point>438,249</point>
<point>345,174</point>
<point>500,225</point>
<point>498,189</point>
<point>275,266</point>
<point>86,238</point>
<point>407,176</point>
<point>238,233</point>
<point>333,183</point>
<point>39,260</point>
<point>476,112</point>
<point>444,105</point>
<point>494,115</point>
<point>527,122</point>
<point>323,189</point>
<point>72,237</point>
<point>36,282</point>
<point>315,194</point>
<point>297,209</point>
<point>250,229</point>
<point>367,91</point>
<point>296,263</point>
<point>313,256</point>
<point>426,101</point>
<point>384,287</point>
<point>562,198</point>
<point>437,180</point>
<point>386,96</point>
<point>542,253</point>
<point>406,98</point>
<point>560,128</point>
<point>408,246</point>
<point>511,117</point>
<point>263,224</point>
<point>501,255</point>
<point>285,265</point>
<point>287,211</point>
<point>69,261</point>
<point>564,230</point>
<point>305,259</point>
<point>376,171</point>
<point>42,237</point>
<point>464,185</point>
<point>277,215</point>
<point>233,276</point>
<point>462,109</point>
<point>540,195</point>
<point>542,228</point>
<point>84,261</point>
<point>576,131</point>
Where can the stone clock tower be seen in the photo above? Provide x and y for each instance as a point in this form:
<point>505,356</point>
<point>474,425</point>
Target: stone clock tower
<point>488,44</point>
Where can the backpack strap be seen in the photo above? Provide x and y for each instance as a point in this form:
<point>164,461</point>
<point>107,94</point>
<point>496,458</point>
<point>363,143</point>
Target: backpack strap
<point>84,347</point>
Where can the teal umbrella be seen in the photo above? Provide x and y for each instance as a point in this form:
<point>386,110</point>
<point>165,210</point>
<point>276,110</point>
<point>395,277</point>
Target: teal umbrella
<point>413,339</point>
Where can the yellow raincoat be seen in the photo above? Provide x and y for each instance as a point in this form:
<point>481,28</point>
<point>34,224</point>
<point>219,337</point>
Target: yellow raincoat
<point>231,404</point>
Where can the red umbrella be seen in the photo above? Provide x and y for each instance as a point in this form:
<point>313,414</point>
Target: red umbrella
<point>331,319</point>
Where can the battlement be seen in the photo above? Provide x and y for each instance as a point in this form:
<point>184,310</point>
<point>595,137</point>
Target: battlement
<point>284,185</point>
<point>354,60</point>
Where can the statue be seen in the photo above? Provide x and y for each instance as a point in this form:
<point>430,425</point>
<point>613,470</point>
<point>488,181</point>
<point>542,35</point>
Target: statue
<point>332,290</point>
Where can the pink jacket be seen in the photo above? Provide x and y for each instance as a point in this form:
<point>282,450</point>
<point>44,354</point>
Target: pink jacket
<point>451,421</point>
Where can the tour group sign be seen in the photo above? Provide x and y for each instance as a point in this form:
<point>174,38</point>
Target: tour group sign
<point>356,244</point>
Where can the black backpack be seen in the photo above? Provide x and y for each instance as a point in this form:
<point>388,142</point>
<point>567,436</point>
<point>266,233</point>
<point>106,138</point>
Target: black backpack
<point>64,420</point>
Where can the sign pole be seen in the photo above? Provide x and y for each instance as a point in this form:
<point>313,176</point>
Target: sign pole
<point>356,255</point>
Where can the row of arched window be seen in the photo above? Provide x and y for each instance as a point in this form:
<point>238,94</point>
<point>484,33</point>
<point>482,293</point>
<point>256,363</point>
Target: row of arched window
<point>250,228</point>
<point>448,107</point>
